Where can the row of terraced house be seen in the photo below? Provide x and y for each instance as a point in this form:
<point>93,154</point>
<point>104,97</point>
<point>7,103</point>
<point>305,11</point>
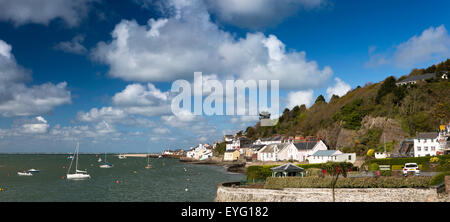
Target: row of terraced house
<point>283,148</point>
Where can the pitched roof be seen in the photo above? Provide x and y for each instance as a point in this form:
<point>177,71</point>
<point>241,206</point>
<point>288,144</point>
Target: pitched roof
<point>273,138</point>
<point>287,168</point>
<point>428,135</point>
<point>270,148</point>
<point>257,146</point>
<point>305,145</point>
<point>324,152</point>
<point>230,151</point>
<point>419,77</point>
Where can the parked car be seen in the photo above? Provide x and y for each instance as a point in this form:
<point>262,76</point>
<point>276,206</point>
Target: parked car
<point>411,168</point>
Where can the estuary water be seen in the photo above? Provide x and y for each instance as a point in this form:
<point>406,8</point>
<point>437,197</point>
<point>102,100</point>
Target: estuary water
<point>167,181</point>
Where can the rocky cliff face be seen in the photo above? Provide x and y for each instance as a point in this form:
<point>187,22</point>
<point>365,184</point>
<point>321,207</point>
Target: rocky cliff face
<point>338,137</point>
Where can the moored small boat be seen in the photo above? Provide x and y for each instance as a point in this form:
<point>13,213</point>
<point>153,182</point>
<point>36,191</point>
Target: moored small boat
<point>33,171</point>
<point>24,174</point>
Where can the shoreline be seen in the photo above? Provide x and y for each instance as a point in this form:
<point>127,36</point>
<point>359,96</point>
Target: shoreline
<point>233,167</point>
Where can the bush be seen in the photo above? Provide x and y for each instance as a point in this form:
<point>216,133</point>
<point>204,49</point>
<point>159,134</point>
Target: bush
<point>370,152</point>
<point>434,159</point>
<point>387,173</point>
<point>373,167</point>
<point>259,172</point>
<point>314,172</point>
<point>444,165</point>
<point>439,178</point>
<point>397,167</point>
<point>317,182</point>
<point>402,161</point>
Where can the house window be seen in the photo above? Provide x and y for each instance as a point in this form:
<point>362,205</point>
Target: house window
<point>419,148</point>
<point>349,157</point>
<point>418,140</point>
<point>433,148</point>
<point>425,148</point>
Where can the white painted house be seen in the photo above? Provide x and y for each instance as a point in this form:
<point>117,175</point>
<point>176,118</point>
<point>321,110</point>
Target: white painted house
<point>307,148</point>
<point>270,152</point>
<point>381,155</point>
<point>428,144</point>
<point>323,156</point>
<point>237,143</point>
<point>290,151</point>
<point>200,152</point>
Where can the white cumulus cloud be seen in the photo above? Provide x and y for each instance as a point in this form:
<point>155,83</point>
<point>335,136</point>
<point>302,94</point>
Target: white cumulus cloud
<point>340,88</point>
<point>299,98</point>
<point>16,98</point>
<point>173,48</point>
<point>432,45</point>
<point>21,12</point>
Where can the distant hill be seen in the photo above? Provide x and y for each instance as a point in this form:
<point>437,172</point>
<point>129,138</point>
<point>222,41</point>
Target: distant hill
<point>367,116</point>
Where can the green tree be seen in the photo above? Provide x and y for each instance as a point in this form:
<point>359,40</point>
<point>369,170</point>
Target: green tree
<point>320,98</point>
<point>220,149</point>
<point>386,87</point>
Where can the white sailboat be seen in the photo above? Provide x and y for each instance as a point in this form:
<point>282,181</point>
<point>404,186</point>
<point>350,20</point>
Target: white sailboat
<point>148,166</point>
<point>106,165</point>
<point>79,174</point>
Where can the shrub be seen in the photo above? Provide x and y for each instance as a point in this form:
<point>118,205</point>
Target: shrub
<point>259,172</point>
<point>370,152</point>
<point>387,173</point>
<point>314,172</point>
<point>439,178</point>
<point>402,161</point>
<point>397,167</point>
<point>317,182</point>
<point>434,159</point>
<point>444,165</point>
<point>373,167</point>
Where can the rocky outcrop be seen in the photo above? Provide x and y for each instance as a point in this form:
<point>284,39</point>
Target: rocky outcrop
<point>339,137</point>
<point>392,129</point>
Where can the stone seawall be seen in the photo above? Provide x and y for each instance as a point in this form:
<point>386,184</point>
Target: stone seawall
<point>236,194</point>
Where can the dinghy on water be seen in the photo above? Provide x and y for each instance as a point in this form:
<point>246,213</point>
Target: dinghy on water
<point>79,174</point>
<point>24,174</point>
<point>33,171</point>
<point>122,156</point>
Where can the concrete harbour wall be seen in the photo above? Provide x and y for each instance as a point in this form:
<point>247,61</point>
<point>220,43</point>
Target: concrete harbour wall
<point>236,194</point>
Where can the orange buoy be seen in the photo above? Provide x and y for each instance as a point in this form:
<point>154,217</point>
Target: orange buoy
<point>63,177</point>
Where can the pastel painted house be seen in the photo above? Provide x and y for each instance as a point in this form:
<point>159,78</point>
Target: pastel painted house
<point>323,156</point>
<point>231,155</point>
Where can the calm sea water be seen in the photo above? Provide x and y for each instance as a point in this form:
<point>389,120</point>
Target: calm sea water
<point>128,180</point>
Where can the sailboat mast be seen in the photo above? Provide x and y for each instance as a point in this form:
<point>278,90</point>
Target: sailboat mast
<point>76,162</point>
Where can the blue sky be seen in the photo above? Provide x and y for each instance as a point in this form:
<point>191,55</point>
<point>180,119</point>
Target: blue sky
<point>100,72</point>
